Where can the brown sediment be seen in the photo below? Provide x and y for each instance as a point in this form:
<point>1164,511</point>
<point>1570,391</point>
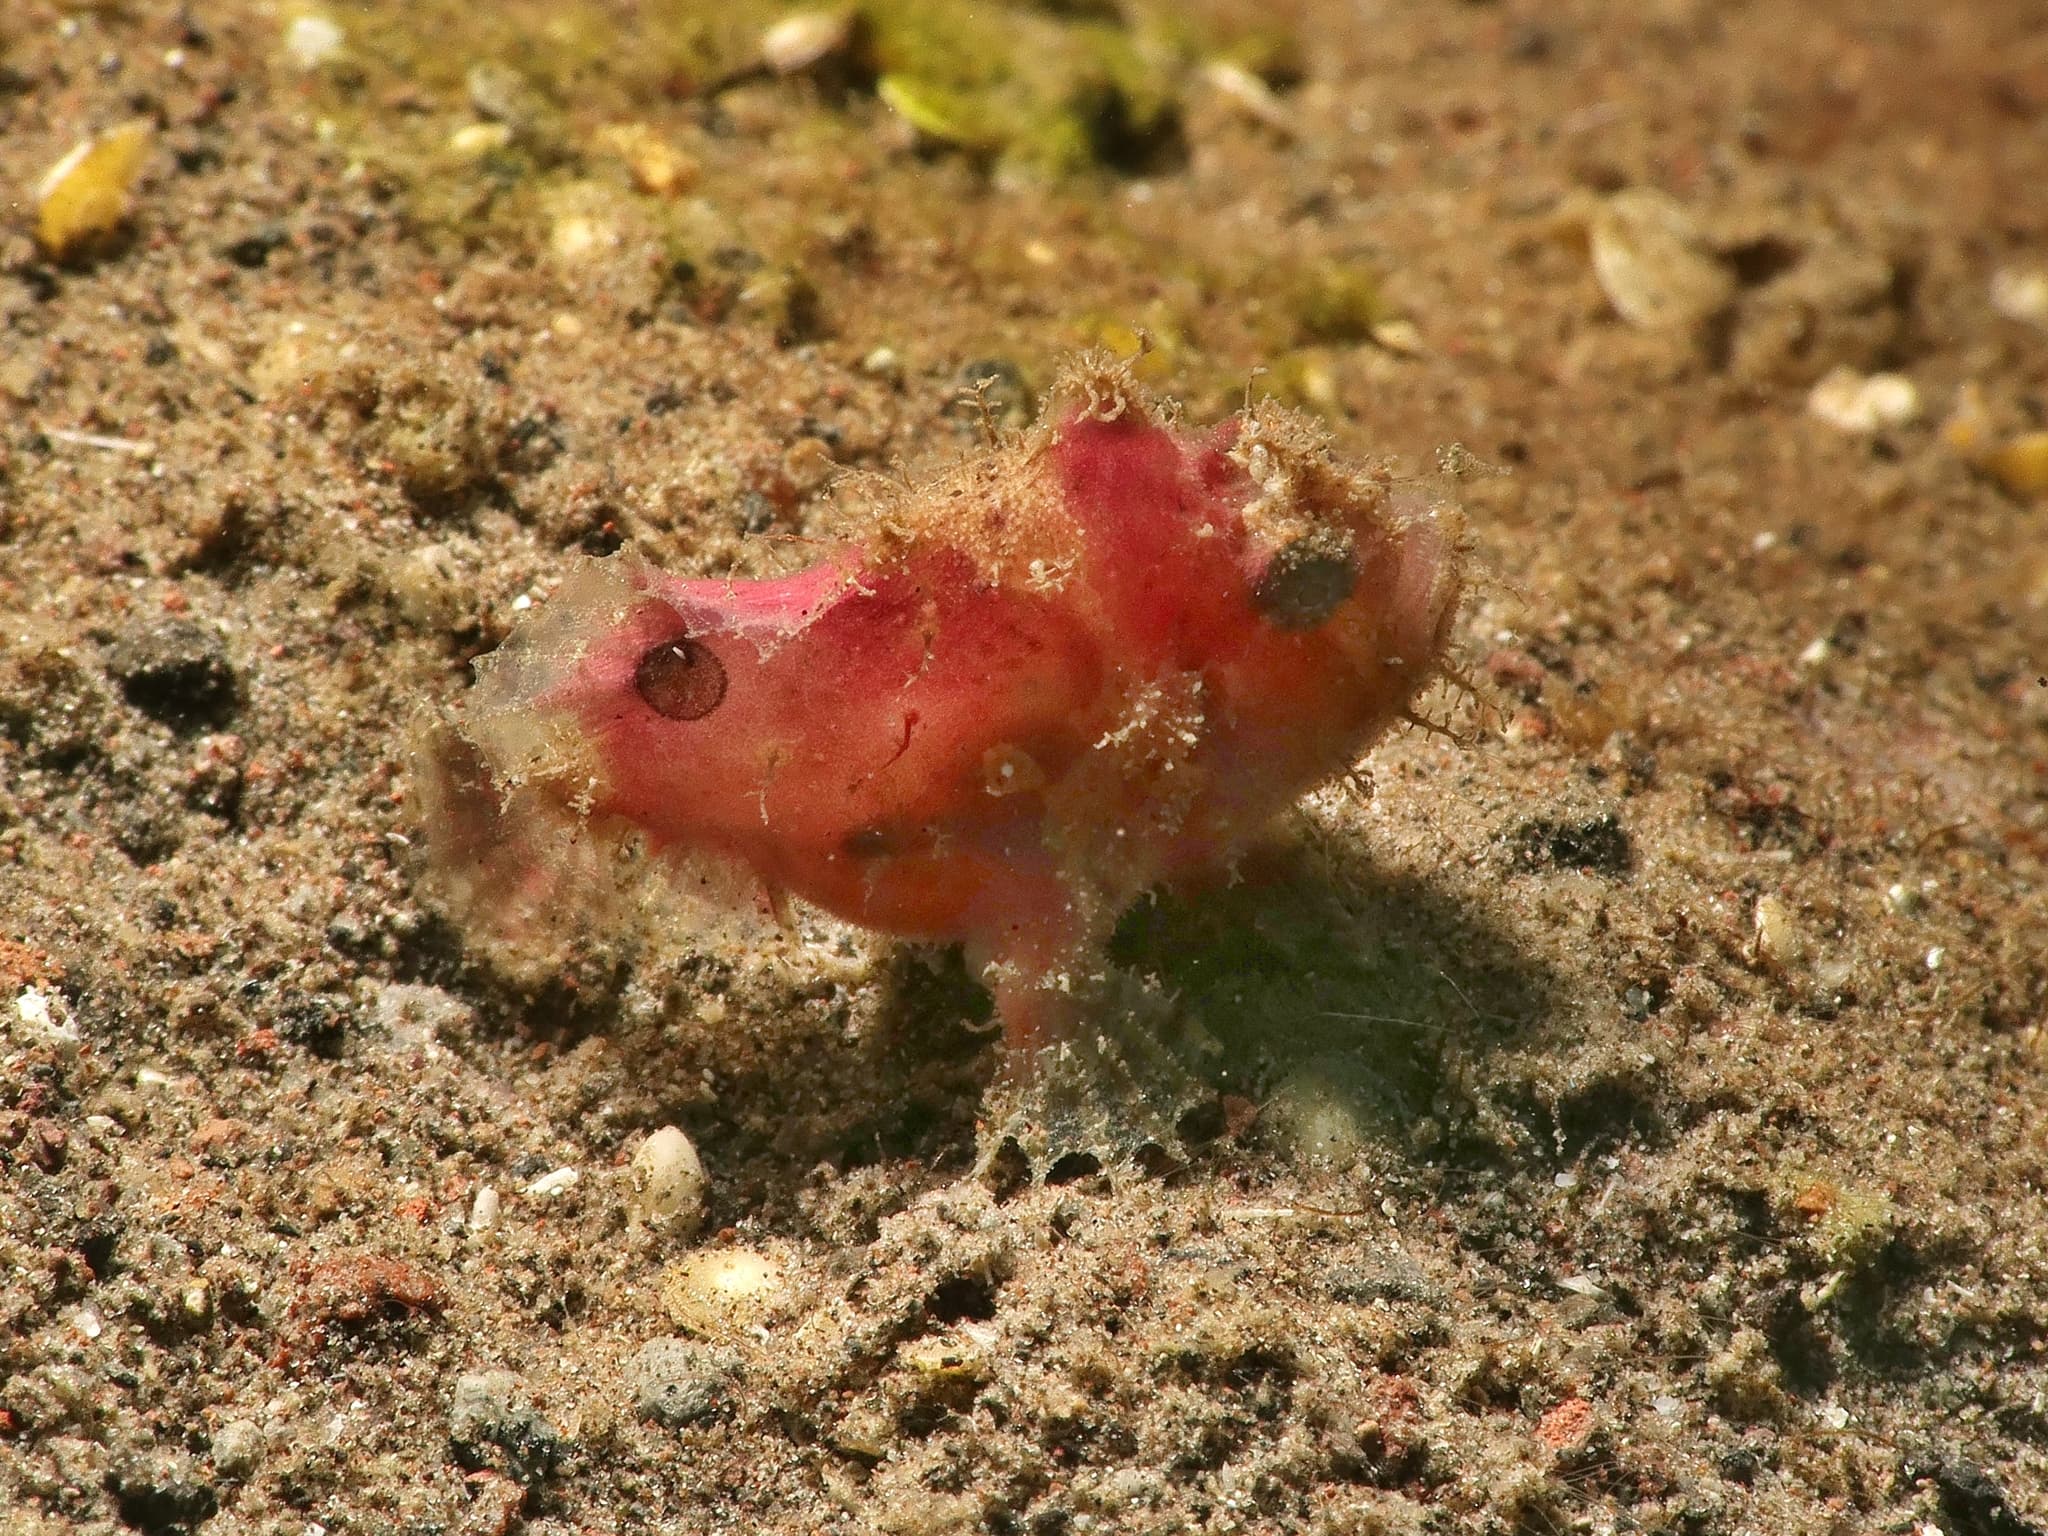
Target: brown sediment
<point>1633,1117</point>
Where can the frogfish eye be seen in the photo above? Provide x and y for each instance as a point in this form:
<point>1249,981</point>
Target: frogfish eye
<point>1306,581</point>
<point>680,679</point>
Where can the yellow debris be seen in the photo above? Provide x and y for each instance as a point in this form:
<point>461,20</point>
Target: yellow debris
<point>2020,464</point>
<point>85,196</point>
<point>657,166</point>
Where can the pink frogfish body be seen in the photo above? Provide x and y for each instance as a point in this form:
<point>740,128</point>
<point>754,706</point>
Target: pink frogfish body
<point>1100,657</point>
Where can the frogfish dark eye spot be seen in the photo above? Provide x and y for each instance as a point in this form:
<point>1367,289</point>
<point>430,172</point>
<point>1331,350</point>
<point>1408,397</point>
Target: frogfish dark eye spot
<point>680,679</point>
<point>1305,582</point>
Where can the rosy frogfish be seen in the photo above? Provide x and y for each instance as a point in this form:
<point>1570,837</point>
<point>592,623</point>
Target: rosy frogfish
<point>1102,656</point>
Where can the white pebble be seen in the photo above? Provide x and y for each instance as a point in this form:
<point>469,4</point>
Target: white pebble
<point>668,1182</point>
<point>799,42</point>
<point>1855,402</point>
<point>2021,293</point>
<point>484,1208</point>
<point>312,40</point>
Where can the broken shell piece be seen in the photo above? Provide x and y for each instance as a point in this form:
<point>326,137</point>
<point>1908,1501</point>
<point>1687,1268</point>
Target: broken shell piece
<point>1250,96</point>
<point>1651,263</point>
<point>1864,403</point>
<point>722,1292</point>
<point>85,196</point>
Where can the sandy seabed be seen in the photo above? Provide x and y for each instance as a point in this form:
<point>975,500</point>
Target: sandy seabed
<point>1634,1108</point>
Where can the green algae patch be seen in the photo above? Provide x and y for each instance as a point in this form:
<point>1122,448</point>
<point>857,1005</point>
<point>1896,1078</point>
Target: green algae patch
<point>1337,301</point>
<point>1044,93</point>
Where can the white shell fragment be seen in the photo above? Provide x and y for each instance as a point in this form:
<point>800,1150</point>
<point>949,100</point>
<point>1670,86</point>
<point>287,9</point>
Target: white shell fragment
<point>1651,263</point>
<point>800,42</point>
<point>723,1292</point>
<point>668,1183</point>
<point>550,1185</point>
<point>1864,403</point>
<point>1249,95</point>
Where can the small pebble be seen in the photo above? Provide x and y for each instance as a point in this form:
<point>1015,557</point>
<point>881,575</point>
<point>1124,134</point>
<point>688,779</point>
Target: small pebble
<point>577,238</point>
<point>2020,464</point>
<point>473,141</point>
<point>668,1183</point>
<point>1651,263</point>
<point>45,1017</point>
<point>504,95</point>
<point>2021,293</point>
<point>1864,403</point>
<point>677,1383</point>
<point>176,672</point>
<point>805,40</point>
<point>493,1424</point>
<point>1319,1113</point>
<point>311,40</point>
<point>163,1492</point>
<point>1399,337</point>
<point>237,1448</point>
<point>421,1017</point>
<point>484,1209</point>
<point>658,167</point>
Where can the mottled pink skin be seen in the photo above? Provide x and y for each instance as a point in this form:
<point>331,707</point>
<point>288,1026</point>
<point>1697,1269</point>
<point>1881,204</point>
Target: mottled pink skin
<point>871,704</point>
<point>1292,707</point>
<point>845,762</point>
